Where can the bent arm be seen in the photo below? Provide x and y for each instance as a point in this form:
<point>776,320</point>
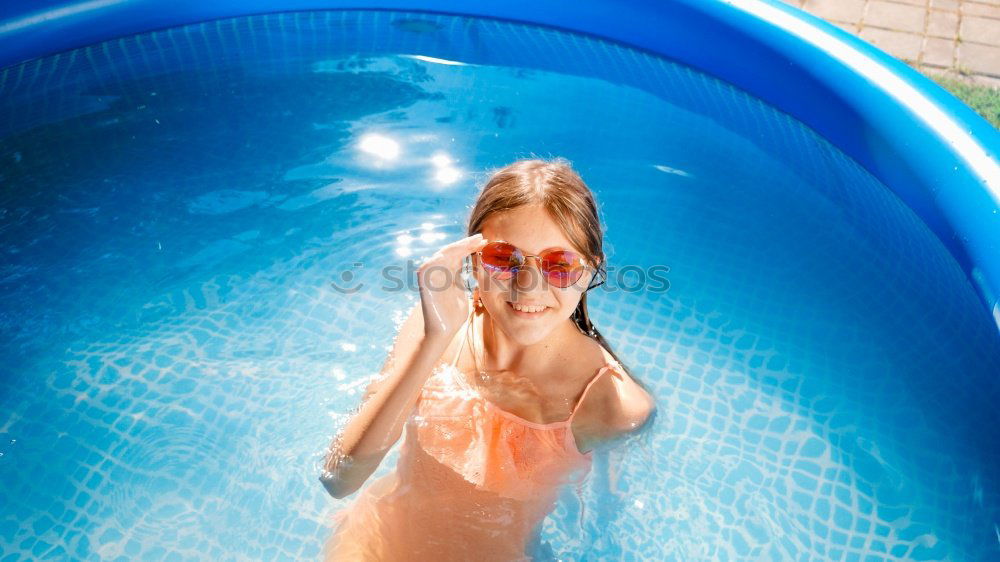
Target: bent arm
<point>358,449</point>
<point>623,407</point>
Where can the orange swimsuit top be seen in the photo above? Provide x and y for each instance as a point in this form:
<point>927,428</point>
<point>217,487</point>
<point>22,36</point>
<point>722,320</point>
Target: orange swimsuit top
<point>473,481</point>
<point>492,448</point>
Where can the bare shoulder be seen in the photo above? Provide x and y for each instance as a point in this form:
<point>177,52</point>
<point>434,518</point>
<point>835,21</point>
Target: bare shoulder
<point>616,403</point>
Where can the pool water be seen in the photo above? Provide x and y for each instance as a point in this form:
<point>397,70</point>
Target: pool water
<point>179,208</point>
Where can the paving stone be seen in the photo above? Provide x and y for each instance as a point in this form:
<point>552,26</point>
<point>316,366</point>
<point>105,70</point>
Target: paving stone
<point>938,51</point>
<point>984,59</point>
<point>942,24</point>
<point>983,80</point>
<point>977,9</point>
<point>945,5</point>
<point>923,30</point>
<point>974,79</point>
<point>980,30</point>
<point>838,10</point>
<point>947,73</point>
<point>899,17</point>
<point>897,43</point>
<point>932,72</point>
<point>851,28</point>
<point>987,81</point>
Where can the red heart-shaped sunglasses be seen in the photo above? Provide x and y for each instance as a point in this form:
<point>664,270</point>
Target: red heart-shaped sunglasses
<point>561,268</point>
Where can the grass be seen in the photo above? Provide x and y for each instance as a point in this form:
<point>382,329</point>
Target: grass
<point>985,100</point>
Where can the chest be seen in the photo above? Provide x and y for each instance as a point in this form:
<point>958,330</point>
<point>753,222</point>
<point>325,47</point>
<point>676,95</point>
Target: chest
<point>521,396</point>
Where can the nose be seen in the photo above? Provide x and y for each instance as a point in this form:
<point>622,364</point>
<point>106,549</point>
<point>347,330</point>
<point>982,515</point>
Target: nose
<point>530,277</point>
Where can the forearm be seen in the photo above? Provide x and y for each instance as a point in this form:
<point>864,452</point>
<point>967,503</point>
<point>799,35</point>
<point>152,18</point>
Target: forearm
<point>359,447</point>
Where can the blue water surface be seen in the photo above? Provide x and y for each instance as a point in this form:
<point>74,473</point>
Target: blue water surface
<point>180,207</point>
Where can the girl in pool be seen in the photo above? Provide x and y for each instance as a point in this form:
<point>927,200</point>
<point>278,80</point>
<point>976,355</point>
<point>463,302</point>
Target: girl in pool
<point>504,395</point>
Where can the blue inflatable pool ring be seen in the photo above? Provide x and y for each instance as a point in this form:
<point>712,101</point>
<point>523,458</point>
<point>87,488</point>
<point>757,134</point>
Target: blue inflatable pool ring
<point>189,185</point>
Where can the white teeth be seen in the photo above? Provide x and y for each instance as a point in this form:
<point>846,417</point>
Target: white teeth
<point>528,308</point>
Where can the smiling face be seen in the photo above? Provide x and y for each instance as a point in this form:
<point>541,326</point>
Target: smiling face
<point>533,230</point>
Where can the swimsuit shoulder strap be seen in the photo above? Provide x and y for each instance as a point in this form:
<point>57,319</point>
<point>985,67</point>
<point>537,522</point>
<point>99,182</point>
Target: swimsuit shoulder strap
<point>610,365</point>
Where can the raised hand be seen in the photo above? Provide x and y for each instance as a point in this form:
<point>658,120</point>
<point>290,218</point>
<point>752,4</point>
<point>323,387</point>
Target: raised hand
<point>443,296</point>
